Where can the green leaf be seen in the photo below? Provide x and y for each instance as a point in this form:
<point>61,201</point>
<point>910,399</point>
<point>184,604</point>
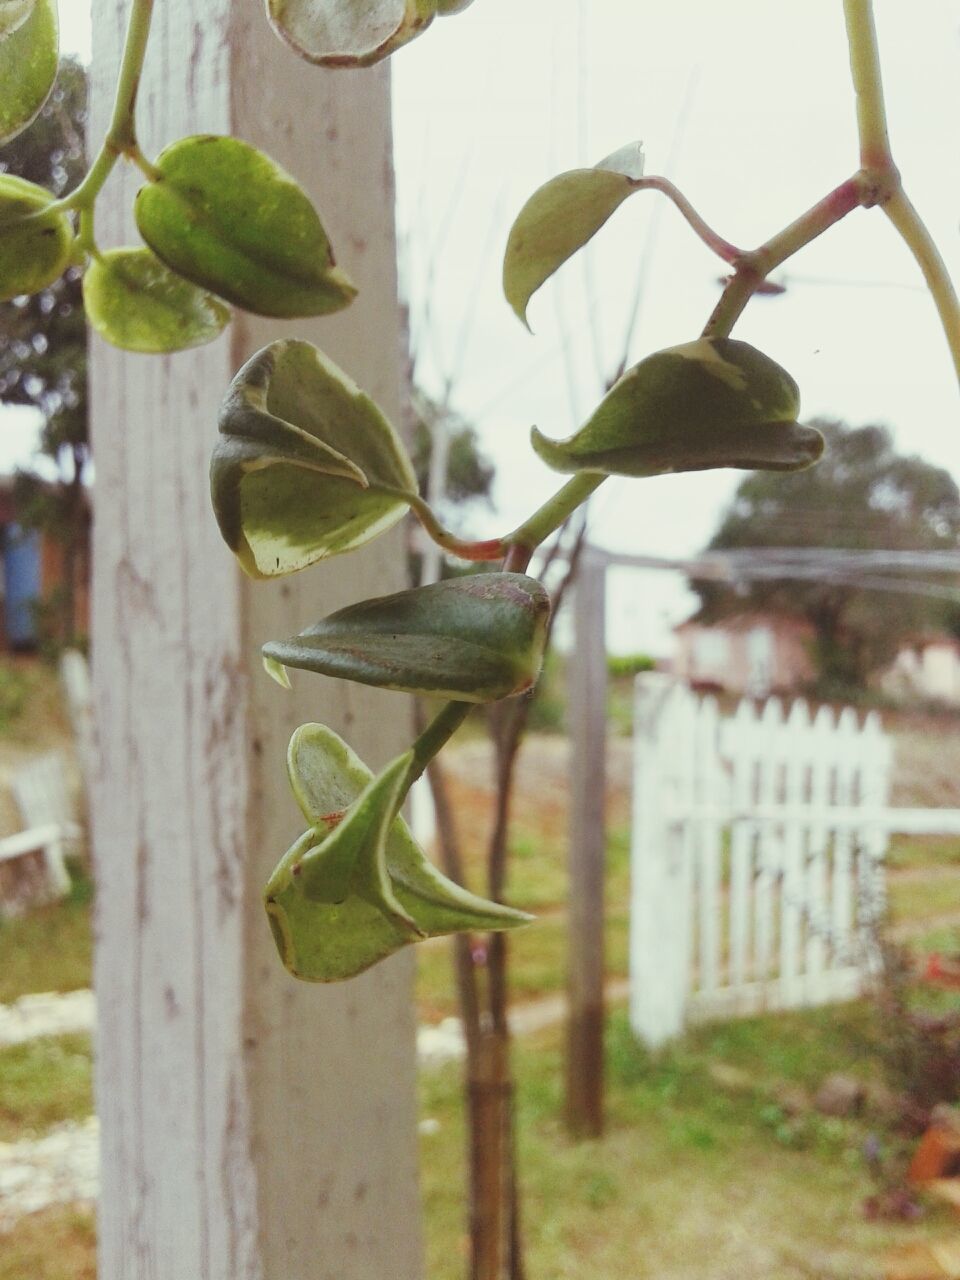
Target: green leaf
<point>13,14</point>
<point>715,402</point>
<point>223,215</point>
<point>277,671</point>
<point>356,887</point>
<point>561,217</point>
<point>472,639</point>
<point>306,465</point>
<point>29,57</point>
<point>349,33</point>
<point>137,303</point>
<point>35,248</point>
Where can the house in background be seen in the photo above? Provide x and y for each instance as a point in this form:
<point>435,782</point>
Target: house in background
<point>755,654</point>
<point>927,669</point>
<point>750,653</point>
<point>31,571</point>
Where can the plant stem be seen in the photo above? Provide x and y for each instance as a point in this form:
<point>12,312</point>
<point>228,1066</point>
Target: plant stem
<point>434,737</point>
<point>489,549</point>
<point>752,268</point>
<point>554,511</point>
<point>908,222</point>
<point>875,155</point>
<point>121,137</point>
<point>516,548</point>
<point>723,248</point>
<point>867,84</point>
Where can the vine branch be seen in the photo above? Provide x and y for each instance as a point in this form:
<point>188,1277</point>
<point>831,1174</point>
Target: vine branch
<point>121,136</point>
<point>721,247</point>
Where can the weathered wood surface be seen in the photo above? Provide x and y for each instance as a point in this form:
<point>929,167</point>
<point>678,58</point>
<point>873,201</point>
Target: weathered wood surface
<point>254,1128</point>
<point>587,853</point>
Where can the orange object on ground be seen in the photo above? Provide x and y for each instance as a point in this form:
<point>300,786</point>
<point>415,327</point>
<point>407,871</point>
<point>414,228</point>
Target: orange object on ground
<point>937,1156</point>
<point>943,971</point>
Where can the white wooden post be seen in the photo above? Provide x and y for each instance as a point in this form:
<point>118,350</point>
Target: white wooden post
<point>254,1127</point>
<point>709,792</point>
<point>836,920</point>
<point>792,895</point>
<point>769,862</point>
<point>876,763</point>
<point>660,884</point>
<point>738,741</point>
<point>587,851</point>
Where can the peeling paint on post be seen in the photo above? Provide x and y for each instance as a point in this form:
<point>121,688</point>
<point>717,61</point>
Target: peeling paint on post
<point>254,1128</point>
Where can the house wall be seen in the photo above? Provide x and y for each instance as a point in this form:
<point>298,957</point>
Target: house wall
<point>932,672</point>
<point>753,654</point>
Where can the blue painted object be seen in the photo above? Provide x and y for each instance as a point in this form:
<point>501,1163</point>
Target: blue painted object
<point>21,573</point>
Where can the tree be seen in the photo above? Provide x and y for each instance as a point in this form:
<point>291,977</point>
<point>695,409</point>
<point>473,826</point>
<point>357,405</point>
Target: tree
<point>863,495</point>
<point>43,354</point>
<point>469,472</point>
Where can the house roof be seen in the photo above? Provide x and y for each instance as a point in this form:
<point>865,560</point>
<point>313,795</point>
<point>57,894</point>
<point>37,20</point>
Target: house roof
<point>746,621</point>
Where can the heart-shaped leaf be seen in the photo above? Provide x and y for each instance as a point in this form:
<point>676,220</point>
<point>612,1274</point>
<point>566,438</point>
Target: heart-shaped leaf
<point>13,14</point>
<point>223,215</point>
<point>306,465</point>
<point>349,33</point>
<point>29,56</point>
<point>715,402</point>
<point>472,639</point>
<point>137,303</point>
<point>35,247</point>
<point>356,887</point>
<point>561,217</point>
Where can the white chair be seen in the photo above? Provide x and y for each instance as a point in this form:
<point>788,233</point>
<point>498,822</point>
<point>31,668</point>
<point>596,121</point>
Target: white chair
<point>42,793</point>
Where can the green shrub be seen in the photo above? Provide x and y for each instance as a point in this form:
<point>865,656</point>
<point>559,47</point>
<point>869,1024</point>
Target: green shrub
<point>629,664</point>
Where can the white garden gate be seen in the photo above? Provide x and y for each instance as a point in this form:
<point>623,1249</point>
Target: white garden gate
<point>757,851</point>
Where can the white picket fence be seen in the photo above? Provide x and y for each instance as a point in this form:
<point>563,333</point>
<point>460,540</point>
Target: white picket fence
<point>757,855</point>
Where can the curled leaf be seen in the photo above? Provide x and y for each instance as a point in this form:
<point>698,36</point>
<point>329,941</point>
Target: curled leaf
<point>29,57</point>
<point>353,33</point>
<point>356,887</point>
<point>472,639</point>
<point>137,303</point>
<point>715,402</point>
<point>277,671</point>
<point>35,247</point>
<point>560,217</point>
<point>306,465</point>
<point>224,216</point>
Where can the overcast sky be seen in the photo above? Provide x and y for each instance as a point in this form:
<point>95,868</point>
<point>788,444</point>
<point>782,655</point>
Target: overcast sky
<point>748,106</point>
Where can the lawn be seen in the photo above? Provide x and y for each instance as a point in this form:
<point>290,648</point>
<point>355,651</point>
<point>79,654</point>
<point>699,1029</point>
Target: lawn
<point>705,1170</point>
<point>42,1083</point>
<point>708,1168</point>
<point>693,1178</point>
<point>50,949</point>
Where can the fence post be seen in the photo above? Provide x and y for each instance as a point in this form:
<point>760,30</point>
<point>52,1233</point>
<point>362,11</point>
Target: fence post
<point>253,1127</point>
<point>659,905</point>
<point>587,854</point>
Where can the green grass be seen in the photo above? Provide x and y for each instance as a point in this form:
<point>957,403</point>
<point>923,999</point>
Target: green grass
<point>908,852</point>
<point>798,1047</point>
<point>538,963</point>
<point>43,1083</point>
<point>943,939</point>
<point>690,1180</point>
<point>918,897</point>
<point>50,949</point>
